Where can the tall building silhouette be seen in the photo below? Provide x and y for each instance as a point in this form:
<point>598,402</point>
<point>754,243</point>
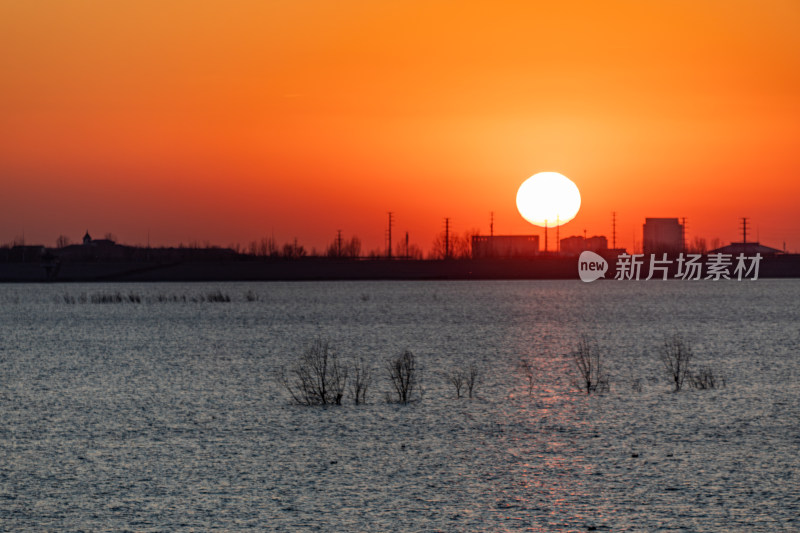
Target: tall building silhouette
<point>662,235</point>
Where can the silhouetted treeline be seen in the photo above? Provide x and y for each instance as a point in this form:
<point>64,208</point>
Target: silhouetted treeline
<point>448,245</point>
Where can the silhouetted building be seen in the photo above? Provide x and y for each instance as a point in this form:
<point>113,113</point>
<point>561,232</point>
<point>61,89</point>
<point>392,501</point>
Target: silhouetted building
<point>504,246</point>
<point>88,241</point>
<point>749,249</point>
<point>662,235</point>
<point>576,244</point>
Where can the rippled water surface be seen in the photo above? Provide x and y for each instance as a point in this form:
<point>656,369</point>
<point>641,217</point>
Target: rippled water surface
<point>166,412</point>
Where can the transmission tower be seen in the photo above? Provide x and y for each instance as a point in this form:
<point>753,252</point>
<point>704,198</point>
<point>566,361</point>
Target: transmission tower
<point>545,235</point>
<point>614,230</point>
<point>744,230</point>
<point>446,238</point>
<point>389,251</point>
<point>558,238</point>
<point>683,232</point>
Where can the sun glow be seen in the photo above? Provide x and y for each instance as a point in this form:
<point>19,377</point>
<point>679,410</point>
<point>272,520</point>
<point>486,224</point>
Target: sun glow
<point>548,199</point>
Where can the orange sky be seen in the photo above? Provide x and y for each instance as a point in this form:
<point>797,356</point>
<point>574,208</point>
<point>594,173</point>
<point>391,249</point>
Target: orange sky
<point>226,121</point>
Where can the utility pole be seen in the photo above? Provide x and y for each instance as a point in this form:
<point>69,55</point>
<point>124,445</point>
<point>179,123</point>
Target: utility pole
<point>406,245</point>
<point>338,243</point>
<point>446,238</point>
<point>744,230</point>
<point>558,239</point>
<point>545,235</point>
<point>389,251</point>
<point>491,234</point>
<point>683,232</point>
<point>614,230</point>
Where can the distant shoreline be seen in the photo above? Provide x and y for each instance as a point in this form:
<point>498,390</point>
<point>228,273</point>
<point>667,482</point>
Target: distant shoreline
<point>326,269</point>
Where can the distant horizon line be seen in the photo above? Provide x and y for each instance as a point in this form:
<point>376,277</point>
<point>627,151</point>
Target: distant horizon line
<point>293,249</point>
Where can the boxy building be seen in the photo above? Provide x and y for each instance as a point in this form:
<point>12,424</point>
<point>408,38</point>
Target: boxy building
<point>484,246</point>
<point>662,235</point>
<point>577,244</point>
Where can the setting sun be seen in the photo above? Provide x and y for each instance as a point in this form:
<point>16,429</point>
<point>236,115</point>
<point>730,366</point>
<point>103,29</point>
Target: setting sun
<point>548,199</point>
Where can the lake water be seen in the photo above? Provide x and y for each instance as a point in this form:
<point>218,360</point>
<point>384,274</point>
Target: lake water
<point>167,413</point>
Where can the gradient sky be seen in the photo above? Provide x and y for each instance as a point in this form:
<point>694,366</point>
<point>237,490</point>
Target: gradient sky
<point>225,121</point>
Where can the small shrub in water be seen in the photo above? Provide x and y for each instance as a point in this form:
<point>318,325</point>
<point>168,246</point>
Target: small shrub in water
<point>218,296</point>
<point>360,380</point>
<point>464,377</point>
<point>527,370</point>
<point>705,379</point>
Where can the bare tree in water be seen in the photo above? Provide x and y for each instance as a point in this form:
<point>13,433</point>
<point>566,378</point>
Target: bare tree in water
<point>588,361</point>
<point>403,376</point>
<point>317,378</point>
<point>676,356</point>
